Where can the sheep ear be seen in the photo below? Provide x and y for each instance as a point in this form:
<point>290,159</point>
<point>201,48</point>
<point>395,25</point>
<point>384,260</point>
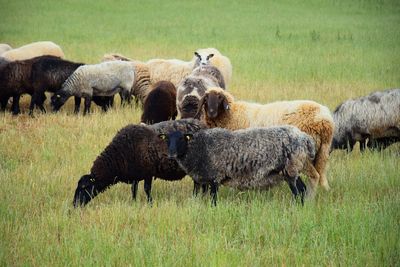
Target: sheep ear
<point>197,55</point>
<point>210,56</point>
<point>188,137</point>
<point>162,136</point>
<point>225,104</point>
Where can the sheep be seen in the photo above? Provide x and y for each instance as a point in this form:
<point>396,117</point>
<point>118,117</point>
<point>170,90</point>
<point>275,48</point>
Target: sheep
<point>193,87</point>
<point>221,110</point>
<point>256,158</point>
<point>374,117</point>
<point>215,58</point>
<point>4,48</point>
<point>160,104</point>
<point>141,86</point>
<point>135,153</point>
<point>104,79</point>
<point>33,50</point>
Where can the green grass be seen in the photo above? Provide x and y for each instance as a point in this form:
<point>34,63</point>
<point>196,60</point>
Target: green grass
<point>327,51</point>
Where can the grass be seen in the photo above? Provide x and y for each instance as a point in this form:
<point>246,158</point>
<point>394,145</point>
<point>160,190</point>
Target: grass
<point>327,51</point>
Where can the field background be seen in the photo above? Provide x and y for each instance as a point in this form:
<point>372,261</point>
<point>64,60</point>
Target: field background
<point>327,51</point>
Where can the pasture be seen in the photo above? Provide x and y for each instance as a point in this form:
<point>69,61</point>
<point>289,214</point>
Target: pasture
<point>326,51</point>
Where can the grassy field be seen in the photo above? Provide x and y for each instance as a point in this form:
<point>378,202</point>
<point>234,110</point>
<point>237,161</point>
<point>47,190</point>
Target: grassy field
<point>326,51</point>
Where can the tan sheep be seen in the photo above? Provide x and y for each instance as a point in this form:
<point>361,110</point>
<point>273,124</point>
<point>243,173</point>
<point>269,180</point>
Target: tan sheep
<point>33,50</point>
<point>221,110</point>
<point>4,48</point>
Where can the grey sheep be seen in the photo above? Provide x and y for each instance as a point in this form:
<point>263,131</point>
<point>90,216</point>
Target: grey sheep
<point>375,117</point>
<point>136,153</point>
<point>103,79</point>
<point>194,86</point>
<point>255,158</point>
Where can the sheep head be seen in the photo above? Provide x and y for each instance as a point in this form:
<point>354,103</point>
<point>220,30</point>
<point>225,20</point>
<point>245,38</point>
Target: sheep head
<point>85,191</point>
<point>58,100</point>
<point>177,143</point>
<point>215,102</point>
<point>202,59</point>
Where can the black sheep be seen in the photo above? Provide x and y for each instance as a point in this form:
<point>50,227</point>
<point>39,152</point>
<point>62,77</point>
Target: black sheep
<point>160,104</point>
<point>136,153</point>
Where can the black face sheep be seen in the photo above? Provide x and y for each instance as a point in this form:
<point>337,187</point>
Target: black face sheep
<point>256,158</point>
<point>375,117</point>
<point>135,153</point>
<point>194,86</point>
<point>104,79</point>
<point>160,104</point>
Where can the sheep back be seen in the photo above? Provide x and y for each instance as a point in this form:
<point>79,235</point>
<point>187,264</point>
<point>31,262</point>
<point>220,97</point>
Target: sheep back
<point>34,50</point>
<point>4,48</point>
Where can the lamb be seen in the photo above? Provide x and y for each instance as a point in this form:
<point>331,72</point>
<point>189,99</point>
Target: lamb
<point>136,153</point>
<point>4,48</point>
<point>104,79</point>
<point>160,104</point>
<point>33,50</point>
<point>212,56</point>
<point>221,110</point>
<point>375,117</point>
<point>193,87</point>
<point>256,158</point>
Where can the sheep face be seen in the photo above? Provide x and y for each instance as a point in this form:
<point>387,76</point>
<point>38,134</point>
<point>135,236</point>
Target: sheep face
<point>202,59</point>
<point>85,191</point>
<point>214,104</point>
<point>177,143</point>
<point>58,100</point>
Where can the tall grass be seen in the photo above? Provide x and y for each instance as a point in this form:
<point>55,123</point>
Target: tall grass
<point>327,51</point>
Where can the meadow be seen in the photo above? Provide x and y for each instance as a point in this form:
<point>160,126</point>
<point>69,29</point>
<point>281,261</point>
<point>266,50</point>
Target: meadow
<point>326,51</point>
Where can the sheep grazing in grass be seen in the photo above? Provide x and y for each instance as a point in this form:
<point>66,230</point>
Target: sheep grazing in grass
<point>193,87</point>
<point>33,50</point>
<point>4,48</point>
<point>104,79</point>
<point>211,56</point>
<point>256,158</point>
<point>136,153</point>
<point>160,104</point>
<point>375,117</point>
<point>221,110</point>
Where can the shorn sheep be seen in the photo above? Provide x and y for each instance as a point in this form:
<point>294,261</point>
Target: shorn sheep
<point>221,110</point>
<point>374,118</point>
<point>104,79</point>
<point>33,50</point>
<point>136,153</point>
<point>4,48</point>
<point>256,158</point>
<point>193,87</point>
<point>160,104</point>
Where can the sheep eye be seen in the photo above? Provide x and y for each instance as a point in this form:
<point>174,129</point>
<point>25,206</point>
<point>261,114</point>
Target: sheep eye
<point>58,96</point>
<point>188,137</point>
<point>92,180</point>
<point>162,136</point>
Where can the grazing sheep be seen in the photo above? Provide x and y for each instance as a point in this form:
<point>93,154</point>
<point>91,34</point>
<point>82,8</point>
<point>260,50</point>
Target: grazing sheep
<point>215,58</point>
<point>104,79</point>
<point>136,153</point>
<point>173,70</point>
<point>221,110</point>
<point>193,87</point>
<point>33,50</point>
<point>160,104</point>
<point>4,48</point>
<point>375,116</point>
<point>244,159</point>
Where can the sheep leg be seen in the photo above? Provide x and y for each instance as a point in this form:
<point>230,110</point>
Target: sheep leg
<point>213,192</point>
<point>196,188</point>
<point>301,187</point>
<point>134,189</point>
<point>3,103</point>
<point>147,189</point>
<point>77,104</point>
<point>32,104</point>
<point>314,177</point>
<point>88,101</point>
<point>15,105</point>
<point>362,145</point>
<point>321,161</point>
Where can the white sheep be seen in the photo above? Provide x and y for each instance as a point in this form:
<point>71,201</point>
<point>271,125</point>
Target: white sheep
<point>221,110</point>
<point>103,79</point>
<point>33,50</point>
<point>4,48</point>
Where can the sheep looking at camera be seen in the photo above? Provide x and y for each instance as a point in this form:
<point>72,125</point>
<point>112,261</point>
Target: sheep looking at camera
<point>193,87</point>
<point>135,153</point>
<point>374,117</point>
<point>221,110</point>
<point>104,79</point>
<point>33,50</point>
<point>256,158</point>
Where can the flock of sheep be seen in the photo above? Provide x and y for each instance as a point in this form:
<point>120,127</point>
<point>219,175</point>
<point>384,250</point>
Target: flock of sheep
<point>217,140</point>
